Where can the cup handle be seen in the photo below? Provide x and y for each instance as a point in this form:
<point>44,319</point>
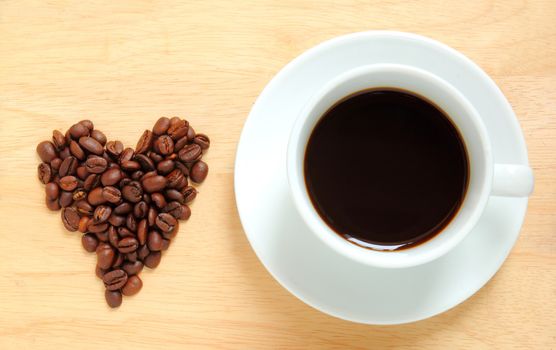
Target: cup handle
<point>512,180</point>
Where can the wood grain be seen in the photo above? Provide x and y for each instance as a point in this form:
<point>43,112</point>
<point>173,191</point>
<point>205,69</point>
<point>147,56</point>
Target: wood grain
<point>125,63</point>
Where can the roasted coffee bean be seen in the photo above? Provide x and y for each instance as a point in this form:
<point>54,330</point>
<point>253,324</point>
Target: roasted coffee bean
<point>118,260</point>
<point>102,213</point>
<point>46,151</point>
<point>142,228</point>
<point>68,183</point>
<point>64,153</point>
<point>151,216</point>
<point>161,126</point>
<point>166,222</point>
<point>165,167</point>
<point>113,298</point>
<point>145,142</point>
<point>84,208</point>
<point>158,200</point>
<point>82,172</point>
<point>176,179</point>
<point>58,140</point>
<point>165,244</point>
<point>191,133</point>
<point>175,120</point>
<point>52,204</point>
<point>116,220</point>
<point>199,172</point>
<point>132,268</point>
<point>68,166</point>
<point>136,175</point>
<point>78,130</point>
<point>76,150</point>
<point>111,177</point>
<point>52,191</point>
<point>70,219</point>
<point>114,148</point>
<point>190,153</point>
<point>95,228</point>
<point>155,157</point>
<point>154,241</point>
<point>146,163</point>
<point>66,199</point>
<point>128,245</point>
<point>88,124</point>
<point>91,145</point>
<point>124,182</point>
<point>112,194</point>
<point>130,222</point>
<point>130,165</point>
<point>91,182</point>
<point>132,286</point>
<point>83,224</point>
<point>96,165</point>
<point>95,197</point>
<point>105,255</point>
<point>125,232</point>
<point>55,164</point>
<point>99,136</point>
<point>126,155</point>
<point>178,211</point>
<point>179,144</point>
<point>202,140</point>
<point>154,183</point>
<point>174,195</point>
<point>133,256</point>
<point>143,252</point>
<point>189,194</point>
<point>149,174</point>
<point>140,210</point>
<point>115,279</point>
<point>147,198</point>
<point>133,192</point>
<point>113,237</point>
<point>44,172</point>
<point>102,236</point>
<point>79,194</point>
<point>152,260</point>
<point>89,242</point>
<point>123,208</point>
<point>178,130</point>
<point>99,272</point>
<point>164,144</point>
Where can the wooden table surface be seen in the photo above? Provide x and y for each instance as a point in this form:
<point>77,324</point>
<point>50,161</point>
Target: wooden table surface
<point>125,63</point>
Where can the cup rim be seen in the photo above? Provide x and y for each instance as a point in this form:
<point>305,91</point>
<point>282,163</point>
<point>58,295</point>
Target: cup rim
<point>321,229</point>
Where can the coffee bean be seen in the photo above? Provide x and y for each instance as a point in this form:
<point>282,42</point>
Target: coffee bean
<point>52,204</point>
<point>111,177</point>
<point>126,155</point>
<point>79,194</point>
<point>89,242</point>
<point>102,213</point>
<point>88,124</point>
<point>154,183</point>
<point>125,232</point>
<point>116,220</point>
<point>76,150</point>
<point>46,151</point>
<point>151,216</point>
<point>118,260</point>
<point>166,222</point>
<point>113,298</point>
<point>102,236</point>
<point>99,272</point>
<point>114,148</point>
<point>83,224</point>
<point>132,286</point>
<point>115,279</point>
<point>95,197</point>
<point>68,183</point>
<point>146,163</point>
<point>78,130</point>
<point>82,172</point>
<point>142,228</point>
<point>154,241</point>
<point>130,222</point>
<point>140,210</point>
<point>91,182</point>
<point>68,166</point>
<point>113,237</point>
<point>99,136</point>
<point>202,140</point>
<point>189,194</point>
<point>123,208</point>
<point>84,208</point>
<point>199,171</point>
<point>52,191</point>
<point>128,245</point>
<point>155,157</point>
<point>64,153</point>
<point>144,142</point>
<point>95,228</point>
<point>191,133</point>
<point>70,219</point>
<point>165,244</point>
<point>96,165</point>
<point>130,165</point>
<point>143,252</point>
<point>147,198</point>
<point>174,195</point>
<point>165,166</point>
<point>112,194</point>
<point>66,199</point>
<point>190,153</point>
<point>161,126</point>
<point>55,164</point>
<point>44,172</point>
<point>105,255</point>
<point>165,145</point>
<point>132,192</point>
<point>152,260</point>
<point>158,200</point>
<point>132,268</point>
<point>91,145</point>
<point>180,143</point>
<point>176,179</point>
<point>58,140</point>
<point>133,256</point>
<point>124,182</point>
<point>185,213</point>
<point>178,130</point>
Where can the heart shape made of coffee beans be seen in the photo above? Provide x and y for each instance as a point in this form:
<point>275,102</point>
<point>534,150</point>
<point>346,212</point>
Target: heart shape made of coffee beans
<point>126,202</point>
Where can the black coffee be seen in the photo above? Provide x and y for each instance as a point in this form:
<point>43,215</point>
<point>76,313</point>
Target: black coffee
<point>386,169</point>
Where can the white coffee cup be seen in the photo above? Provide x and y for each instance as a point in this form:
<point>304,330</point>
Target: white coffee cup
<point>486,179</point>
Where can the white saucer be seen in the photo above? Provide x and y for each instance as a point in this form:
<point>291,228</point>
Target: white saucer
<point>300,261</point>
